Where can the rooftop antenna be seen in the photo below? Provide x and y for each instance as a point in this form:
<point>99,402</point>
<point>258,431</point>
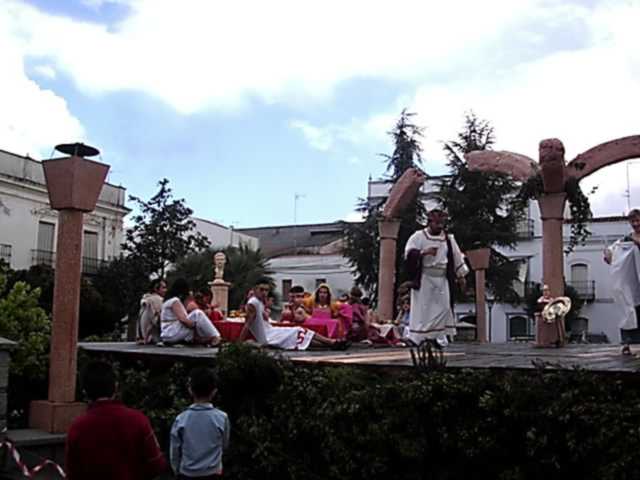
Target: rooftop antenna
<point>296,197</point>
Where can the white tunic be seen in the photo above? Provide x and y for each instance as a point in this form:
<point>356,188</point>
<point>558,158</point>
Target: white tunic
<point>287,338</point>
<point>431,316</point>
<point>625,281</point>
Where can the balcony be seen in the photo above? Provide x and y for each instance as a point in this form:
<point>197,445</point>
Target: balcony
<point>91,266</point>
<point>586,289</point>
<point>5,253</point>
<point>43,257</point>
<point>524,229</point>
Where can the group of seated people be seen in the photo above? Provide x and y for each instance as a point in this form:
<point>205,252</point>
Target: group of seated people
<point>175,315</point>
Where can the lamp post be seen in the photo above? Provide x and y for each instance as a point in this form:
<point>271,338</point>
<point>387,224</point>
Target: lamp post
<point>491,300</point>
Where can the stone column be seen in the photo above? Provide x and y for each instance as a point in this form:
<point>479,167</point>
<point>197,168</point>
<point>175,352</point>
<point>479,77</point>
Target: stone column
<point>220,294</point>
<point>388,229</point>
<point>479,260</point>
<point>552,215</point>
<point>73,184</point>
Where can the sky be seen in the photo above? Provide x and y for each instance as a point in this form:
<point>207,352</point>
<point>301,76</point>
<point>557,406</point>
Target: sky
<point>247,105</point>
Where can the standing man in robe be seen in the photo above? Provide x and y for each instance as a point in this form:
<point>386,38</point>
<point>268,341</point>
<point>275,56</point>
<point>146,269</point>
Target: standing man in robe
<point>435,263</point>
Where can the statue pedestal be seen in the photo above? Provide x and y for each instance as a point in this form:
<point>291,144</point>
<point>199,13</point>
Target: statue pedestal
<point>220,293</point>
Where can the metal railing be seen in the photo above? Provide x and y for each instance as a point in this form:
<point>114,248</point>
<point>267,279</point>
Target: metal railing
<point>91,266</point>
<point>524,229</point>
<point>586,289</point>
<point>5,253</point>
<point>43,257</point>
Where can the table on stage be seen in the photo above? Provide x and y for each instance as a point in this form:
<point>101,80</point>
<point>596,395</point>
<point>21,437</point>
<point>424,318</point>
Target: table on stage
<point>230,329</point>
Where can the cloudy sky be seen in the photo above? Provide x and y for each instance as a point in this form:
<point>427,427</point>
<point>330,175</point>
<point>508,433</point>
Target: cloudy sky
<point>243,104</point>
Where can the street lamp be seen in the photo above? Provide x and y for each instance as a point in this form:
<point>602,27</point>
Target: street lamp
<point>491,300</point>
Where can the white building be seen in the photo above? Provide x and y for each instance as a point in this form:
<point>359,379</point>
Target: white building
<point>28,226</point>
<point>305,255</point>
<point>221,236</point>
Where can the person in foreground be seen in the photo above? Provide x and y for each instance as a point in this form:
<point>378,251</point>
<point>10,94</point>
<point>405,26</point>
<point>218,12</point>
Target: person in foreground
<point>434,263</point>
<point>200,434</point>
<point>624,258</point>
<point>286,338</point>
<point>110,441</point>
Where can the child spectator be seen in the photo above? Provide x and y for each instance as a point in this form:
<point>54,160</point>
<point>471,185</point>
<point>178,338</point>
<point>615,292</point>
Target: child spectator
<point>200,434</point>
<point>110,441</point>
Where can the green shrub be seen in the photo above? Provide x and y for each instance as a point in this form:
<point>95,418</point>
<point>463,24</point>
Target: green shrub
<point>293,422</point>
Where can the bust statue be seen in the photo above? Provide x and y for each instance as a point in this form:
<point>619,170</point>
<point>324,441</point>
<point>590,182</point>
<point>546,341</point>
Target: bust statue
<point>219,260</point>
<point>552,164</point>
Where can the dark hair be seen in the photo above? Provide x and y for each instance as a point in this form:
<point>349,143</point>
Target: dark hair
<point>365,301</point>
<point>633,213</point>
<point>180,289</point>
<point>316,297</point>
<point>98,380</point>
<point>296,289</point>
<point>356,292</point>
<point>202,381</point>
<point>155,284</point>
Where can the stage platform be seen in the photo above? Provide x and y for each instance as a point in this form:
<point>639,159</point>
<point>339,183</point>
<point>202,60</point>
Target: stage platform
<point>603,358</point>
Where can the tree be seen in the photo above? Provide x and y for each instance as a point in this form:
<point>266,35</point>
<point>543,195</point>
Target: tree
<point>23,321</point>
<point>480,207</point>
<point>162,231</point>
<point>244,269</point>
<point>362,242</point>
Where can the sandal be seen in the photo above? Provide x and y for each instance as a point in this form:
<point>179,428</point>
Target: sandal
<point>626,350</point>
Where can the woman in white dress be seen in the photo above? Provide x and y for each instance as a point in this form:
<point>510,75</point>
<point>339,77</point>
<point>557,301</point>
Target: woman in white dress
<point>178,326</point>
<point>286,338</point>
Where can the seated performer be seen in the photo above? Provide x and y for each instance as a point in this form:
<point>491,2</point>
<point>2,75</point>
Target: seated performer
<point>286,338</point>
<point>624,258</point>
<point>402,320</point>
<point>179,326</point>
<point>324,312</point>
<point>434,262</point>
<point>296,300</point>
<point>148,328</point>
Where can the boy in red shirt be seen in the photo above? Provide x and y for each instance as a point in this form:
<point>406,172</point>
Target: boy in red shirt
<point>110,441</point>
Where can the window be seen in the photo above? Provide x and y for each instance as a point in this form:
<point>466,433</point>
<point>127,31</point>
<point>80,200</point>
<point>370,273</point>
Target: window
<point>580,281</point>
<point>43,255</point>
<point>286,286</point>
<point>519,326</point>
<point>5,253</point>
<point>579,273</point>
<point>90,262</point>
<point>320,281</point>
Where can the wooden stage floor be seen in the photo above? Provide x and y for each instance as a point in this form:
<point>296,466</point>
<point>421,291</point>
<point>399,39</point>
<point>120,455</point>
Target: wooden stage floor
<point>595,357</point>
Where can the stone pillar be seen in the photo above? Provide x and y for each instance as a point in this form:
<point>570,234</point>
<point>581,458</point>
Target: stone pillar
<point>74,184</point>
<point>479,260</point>
<point>552,215</point>
<point>388,229</point>
<point>220,294</point>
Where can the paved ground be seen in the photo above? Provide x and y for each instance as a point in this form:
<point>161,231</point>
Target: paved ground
<point>596,357</point>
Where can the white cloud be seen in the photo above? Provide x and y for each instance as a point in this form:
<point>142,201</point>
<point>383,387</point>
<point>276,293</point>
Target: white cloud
<point>319,138</point>
<point>195,54</point>
<point>32,119</point>
<point>46,71</point>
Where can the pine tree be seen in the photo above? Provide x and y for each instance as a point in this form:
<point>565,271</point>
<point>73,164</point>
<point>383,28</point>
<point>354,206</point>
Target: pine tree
<point>481,213</point>
<point>362,242</point>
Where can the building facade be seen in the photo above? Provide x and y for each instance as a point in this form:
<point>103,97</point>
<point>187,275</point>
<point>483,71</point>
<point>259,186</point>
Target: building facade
<point>28,226</point>
<point>221,236</point>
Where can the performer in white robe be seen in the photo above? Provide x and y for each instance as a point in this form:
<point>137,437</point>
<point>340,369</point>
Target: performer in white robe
<point>624,258</point>
<point>286,338</point>
<point>431,315</point>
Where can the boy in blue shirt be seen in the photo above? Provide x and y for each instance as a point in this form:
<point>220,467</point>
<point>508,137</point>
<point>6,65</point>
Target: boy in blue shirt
<point>201,433</point>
